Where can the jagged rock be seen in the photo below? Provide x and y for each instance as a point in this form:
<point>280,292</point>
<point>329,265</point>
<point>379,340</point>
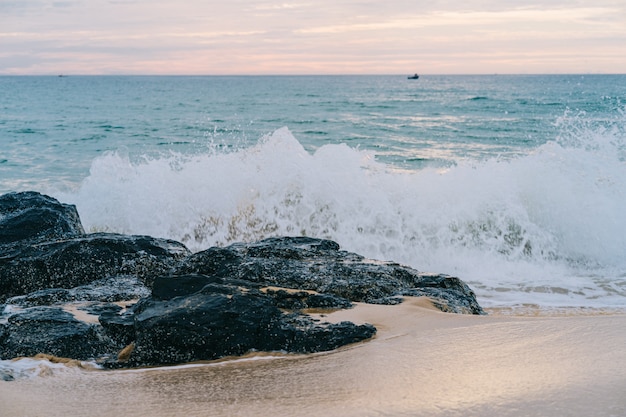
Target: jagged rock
<point>52,331</point>
<point>319,265</point>
<point>30,216</point>
<point>43,246</point>
<point>79,261</point>
<point>223,318</point>
<point>302,300</point>
<point>449,294</point>
<point>107,290</point>
<point>119,326</point>
<point>215,303</point>
<point>98,309</point>
<point>167,287</point>
<point>94,300</point>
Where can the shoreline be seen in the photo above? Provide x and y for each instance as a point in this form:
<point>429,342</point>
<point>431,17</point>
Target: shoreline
<point>421,362</point>
<point>542,311</point>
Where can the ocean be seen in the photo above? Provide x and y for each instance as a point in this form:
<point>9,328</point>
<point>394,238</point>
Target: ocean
<point>514,183</point>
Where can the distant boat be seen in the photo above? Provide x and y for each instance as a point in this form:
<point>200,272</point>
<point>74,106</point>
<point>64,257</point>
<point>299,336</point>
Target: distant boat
<point>413,77</point>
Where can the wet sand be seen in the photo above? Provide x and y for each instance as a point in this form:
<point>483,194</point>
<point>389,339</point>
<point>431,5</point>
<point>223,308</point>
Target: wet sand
<point>421,363</point>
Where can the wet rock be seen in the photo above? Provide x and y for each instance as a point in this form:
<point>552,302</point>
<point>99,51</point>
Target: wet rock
<point>225,318</point>
<point>215,303</point>
<point>98,309</point>
<point>171,286</point>
<point>319,265</point>
<point>31,216</point>
<point>166,287</point>
<point>119,326</point>
<point>303,300</point>
<point>79,261</point>
<point>43,246</point>
<point>94,300</point>
<point>107,290</point>
<point>52,331</point>
<point>449,294</point>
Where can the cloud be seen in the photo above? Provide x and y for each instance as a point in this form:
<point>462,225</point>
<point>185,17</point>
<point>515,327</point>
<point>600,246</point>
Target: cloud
<point>472,19</point>
<point>327,36</point>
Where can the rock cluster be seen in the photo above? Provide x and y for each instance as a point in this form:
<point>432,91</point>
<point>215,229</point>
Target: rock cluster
<point>128,301</point>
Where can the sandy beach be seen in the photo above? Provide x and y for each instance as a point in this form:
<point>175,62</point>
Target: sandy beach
<point>421,363</point>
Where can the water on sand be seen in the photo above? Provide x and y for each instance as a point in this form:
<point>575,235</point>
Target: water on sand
<point>422,362</point>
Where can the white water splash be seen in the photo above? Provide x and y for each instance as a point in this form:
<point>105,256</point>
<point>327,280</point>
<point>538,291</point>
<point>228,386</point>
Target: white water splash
<point>547,228</point>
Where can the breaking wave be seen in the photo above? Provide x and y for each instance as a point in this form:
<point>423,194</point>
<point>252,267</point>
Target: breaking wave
<point>546,228</point>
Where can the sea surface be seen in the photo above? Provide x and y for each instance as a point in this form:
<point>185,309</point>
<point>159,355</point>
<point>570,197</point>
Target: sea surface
<point>515,184</point>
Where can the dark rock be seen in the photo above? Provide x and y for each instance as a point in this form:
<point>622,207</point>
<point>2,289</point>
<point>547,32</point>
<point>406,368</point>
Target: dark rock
<point>302,300</point>
<point>95,299</point>
<point>223,320</point>
<point>318,265</point>
<point>107,290</point>
<point>97,309</point>
<point>45,297</point>
<point>300,333</point>
<point>171,286</point>
<point>200,326</point>
<point>30,216</point>
<point>119,327</point>
<point>52,331</point>
<point>216,303</point>
<point>168,287</point>
<point>79,261</point>
<point>449,294</point>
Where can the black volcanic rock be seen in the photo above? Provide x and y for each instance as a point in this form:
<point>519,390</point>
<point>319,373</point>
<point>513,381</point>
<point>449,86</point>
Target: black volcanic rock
<point>119,326</point>
<point>43,246</point>
<point>71,294</point>
<point>319,265</point>
<point>53,331</point>
<point>79,261</point>
<point>449,294</point>
<point>225,318</point>
<point>30,216</point>
<point>166,287</point>
<point>106,290</point>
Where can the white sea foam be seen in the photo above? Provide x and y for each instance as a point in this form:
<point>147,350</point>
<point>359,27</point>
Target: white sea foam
<point>26,368</point>
<point>547,228</point>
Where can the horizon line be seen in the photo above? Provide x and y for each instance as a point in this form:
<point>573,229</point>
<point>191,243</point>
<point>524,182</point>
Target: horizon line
<point>62,75</point>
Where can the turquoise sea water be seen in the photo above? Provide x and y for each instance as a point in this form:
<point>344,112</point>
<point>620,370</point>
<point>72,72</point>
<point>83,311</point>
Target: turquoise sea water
<point>516,184</point>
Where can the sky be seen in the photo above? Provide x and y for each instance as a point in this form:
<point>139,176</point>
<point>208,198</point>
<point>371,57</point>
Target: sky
<point>209,37</point>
